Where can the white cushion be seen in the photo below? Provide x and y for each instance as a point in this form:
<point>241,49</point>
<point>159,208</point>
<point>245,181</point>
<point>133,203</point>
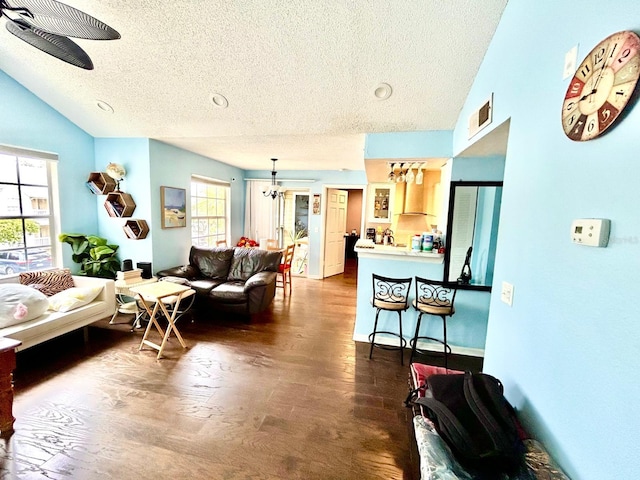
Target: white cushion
<point>20,303</point>
<point>73,298</point>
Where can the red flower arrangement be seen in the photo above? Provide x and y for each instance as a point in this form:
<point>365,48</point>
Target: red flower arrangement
<point>246,242</point>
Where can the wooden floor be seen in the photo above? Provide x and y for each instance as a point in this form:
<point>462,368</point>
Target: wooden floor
<point>288,396</point>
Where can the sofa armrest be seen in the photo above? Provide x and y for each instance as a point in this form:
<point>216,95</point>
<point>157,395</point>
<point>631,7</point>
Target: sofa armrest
<point>260,279</point>
<point>108,292</point>
<point>185,271</point>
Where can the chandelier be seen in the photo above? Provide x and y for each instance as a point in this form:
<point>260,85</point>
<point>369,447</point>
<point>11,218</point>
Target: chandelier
<point>401,172</point>
<point>275,190</point>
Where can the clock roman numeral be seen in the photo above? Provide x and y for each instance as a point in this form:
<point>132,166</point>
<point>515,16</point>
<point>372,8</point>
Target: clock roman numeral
<point>585,71</point>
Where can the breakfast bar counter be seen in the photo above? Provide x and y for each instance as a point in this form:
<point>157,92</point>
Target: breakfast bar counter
<point>466,329</point>
<point>398,253</point>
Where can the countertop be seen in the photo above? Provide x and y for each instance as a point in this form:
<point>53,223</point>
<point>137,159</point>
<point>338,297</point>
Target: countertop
<point>399,253</point>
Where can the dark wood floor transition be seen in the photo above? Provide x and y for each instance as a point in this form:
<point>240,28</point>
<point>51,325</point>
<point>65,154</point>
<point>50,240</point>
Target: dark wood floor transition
<point>287,396</point>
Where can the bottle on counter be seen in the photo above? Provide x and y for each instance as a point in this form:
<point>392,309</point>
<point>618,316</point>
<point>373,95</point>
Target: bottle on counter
<point>379,235</point>
<point>427,242</point>
<point>416,242</point>
<point>437,240</point>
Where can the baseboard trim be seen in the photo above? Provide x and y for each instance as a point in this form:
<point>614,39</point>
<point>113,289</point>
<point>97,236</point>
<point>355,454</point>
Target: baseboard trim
<point>422,345</point>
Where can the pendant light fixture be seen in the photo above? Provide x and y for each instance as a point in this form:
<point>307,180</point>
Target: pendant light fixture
<point>275,191</point>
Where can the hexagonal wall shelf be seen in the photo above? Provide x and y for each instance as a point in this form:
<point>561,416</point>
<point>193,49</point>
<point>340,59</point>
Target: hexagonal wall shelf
<point>119,204</point>
<point>100,183</point>
<point>136,229</point>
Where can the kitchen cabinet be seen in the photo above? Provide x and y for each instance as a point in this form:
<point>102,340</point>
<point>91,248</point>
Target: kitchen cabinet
<point>380,202</point>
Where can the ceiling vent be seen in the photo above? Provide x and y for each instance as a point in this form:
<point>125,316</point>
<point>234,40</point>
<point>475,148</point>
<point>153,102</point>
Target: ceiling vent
<point>481,117</point>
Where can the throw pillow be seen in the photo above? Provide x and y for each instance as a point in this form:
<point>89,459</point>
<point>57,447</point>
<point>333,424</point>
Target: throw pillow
<point>48,282</point>
<point>73,298</point>
<point>20,303</point>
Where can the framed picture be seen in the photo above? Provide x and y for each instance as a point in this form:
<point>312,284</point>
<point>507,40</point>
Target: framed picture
<point>316,204</point>
<point>173,202</point>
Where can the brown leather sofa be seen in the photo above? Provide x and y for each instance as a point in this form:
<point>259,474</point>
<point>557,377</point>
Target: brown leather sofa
<point>234,279</point>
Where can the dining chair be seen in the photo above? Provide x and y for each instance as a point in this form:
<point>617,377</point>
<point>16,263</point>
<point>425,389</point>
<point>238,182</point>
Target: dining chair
<point>284,271</point>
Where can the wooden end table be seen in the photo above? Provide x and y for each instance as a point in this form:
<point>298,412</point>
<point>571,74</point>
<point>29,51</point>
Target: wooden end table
<point>162,294</point>
<point>7,366</point>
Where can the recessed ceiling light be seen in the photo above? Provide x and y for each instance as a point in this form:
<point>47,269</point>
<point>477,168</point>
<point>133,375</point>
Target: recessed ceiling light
<point>219,100</point>
<point>383,91</point>
<point>104,106</point>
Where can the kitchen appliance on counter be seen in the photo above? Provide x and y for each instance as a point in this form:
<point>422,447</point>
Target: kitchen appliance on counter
<point>387,237</point>
<point>371,234</point>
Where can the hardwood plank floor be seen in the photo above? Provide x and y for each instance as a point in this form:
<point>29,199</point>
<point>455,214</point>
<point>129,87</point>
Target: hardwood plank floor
<point>287,396</point>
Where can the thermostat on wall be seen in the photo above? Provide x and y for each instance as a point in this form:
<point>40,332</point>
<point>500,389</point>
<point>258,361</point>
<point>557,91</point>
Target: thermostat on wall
<point>593,232</point>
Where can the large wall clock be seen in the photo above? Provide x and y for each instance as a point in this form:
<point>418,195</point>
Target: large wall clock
<point>602,86</point>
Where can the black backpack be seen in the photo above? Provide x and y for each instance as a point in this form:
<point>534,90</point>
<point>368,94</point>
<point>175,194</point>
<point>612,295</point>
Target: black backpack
<point>471,414</point>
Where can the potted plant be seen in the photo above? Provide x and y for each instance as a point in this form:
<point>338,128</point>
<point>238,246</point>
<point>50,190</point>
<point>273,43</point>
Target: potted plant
<point>96,257</point>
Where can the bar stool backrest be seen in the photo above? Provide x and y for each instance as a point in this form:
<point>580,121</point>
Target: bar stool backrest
<point>435,296</point>
<point>391,293</point>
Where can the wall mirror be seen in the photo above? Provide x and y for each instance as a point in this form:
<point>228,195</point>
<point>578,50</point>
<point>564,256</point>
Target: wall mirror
<point>472,228</point>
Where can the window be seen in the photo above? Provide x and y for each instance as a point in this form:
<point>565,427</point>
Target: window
<point>27,219</point>
<point>209,211</point>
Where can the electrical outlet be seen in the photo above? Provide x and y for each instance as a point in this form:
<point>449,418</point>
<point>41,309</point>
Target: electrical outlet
<point>506,294</point>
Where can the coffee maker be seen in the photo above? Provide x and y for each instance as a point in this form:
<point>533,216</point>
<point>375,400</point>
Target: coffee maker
<point>371,234</point>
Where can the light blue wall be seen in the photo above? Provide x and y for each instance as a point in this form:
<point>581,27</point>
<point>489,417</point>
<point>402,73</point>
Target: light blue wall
<point>480,169</point>
<point>151,164</point>
<point>567,350</point>
<point>173,167</point>
<point>27,122</point>
<point>133,154</point>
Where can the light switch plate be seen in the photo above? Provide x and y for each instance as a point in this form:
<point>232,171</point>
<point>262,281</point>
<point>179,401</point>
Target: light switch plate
<point>506,294</point>
<point>570,59</point>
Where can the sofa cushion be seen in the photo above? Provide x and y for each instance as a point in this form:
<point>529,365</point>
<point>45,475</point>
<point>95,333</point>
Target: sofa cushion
<point>212,262</point>
<point>20,303</point>
<point>203,287</point>
<point>229,292</point>
<point>73,298</point>
<point>48,282</point>
<point>249,261</point>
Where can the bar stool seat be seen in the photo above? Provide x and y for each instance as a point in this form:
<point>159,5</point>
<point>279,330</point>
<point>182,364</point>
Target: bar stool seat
<point>390,294</point>
<point>433,297</point>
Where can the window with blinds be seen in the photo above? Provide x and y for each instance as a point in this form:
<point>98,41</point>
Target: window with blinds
<point>27,216</point>
<point>209,211</point>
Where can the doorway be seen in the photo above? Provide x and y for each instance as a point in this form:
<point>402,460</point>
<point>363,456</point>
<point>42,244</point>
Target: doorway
<point>296,227</point>
<point>340,221</point>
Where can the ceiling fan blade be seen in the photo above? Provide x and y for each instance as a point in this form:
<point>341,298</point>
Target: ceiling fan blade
<point>61,19</point>
<point>55,45</point>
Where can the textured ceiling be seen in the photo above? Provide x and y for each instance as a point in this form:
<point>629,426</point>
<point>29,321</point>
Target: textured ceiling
<point>299,75</point>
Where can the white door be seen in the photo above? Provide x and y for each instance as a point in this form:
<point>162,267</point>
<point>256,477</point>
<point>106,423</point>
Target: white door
<point>335,230</point>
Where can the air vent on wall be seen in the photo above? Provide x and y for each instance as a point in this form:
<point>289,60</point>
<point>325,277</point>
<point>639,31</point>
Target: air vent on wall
<point>481,117</point>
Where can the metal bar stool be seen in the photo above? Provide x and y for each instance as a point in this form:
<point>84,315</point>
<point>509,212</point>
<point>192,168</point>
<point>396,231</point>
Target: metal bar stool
<point>390,294</point>
<point>433,298</point>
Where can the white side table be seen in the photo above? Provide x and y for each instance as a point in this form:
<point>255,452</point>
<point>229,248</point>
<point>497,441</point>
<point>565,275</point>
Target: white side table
<point>123,291</point>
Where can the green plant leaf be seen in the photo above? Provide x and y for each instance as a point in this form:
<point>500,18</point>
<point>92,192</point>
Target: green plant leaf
<point>96,257</point>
